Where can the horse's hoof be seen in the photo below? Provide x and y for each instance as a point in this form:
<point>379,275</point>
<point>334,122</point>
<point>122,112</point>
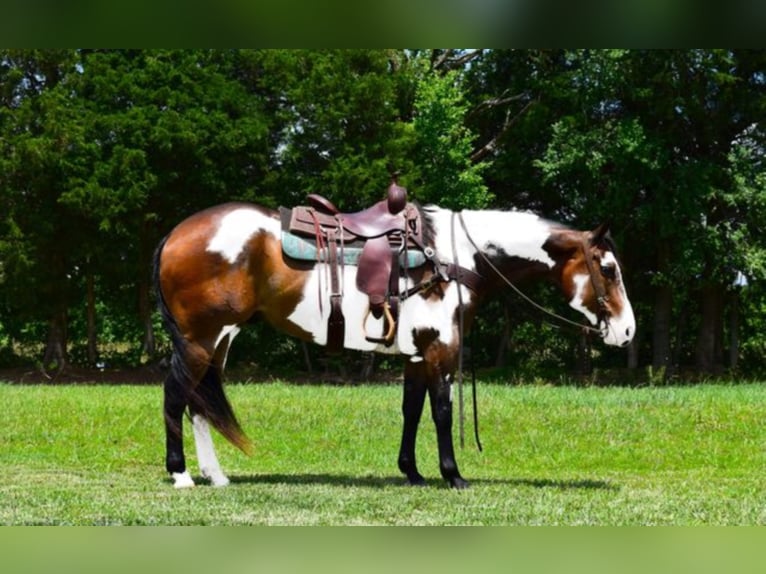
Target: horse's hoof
<point>216,477</point>
<point>459,483</point>
<point>218,480</point>
<point>182,480</point>
<point>417,480</point>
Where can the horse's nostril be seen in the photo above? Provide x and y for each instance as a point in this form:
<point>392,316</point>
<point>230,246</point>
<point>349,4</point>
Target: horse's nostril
<point>627,332</point>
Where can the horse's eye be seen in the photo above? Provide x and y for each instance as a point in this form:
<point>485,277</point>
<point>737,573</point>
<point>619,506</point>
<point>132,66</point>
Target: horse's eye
<point>608,271</point>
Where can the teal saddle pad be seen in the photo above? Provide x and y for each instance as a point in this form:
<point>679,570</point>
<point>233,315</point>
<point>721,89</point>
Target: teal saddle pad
<point>306,250</point>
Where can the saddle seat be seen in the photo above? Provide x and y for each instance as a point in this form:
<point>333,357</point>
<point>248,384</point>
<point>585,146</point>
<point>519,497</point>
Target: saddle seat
<point>381,219</point>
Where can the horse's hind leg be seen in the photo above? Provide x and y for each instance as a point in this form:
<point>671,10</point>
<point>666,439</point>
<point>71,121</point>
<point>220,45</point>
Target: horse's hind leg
<point>208,387</point>
<point>209,466</point>
<point>174,407</point>
<point>185,371</point>
<point>208,461</point>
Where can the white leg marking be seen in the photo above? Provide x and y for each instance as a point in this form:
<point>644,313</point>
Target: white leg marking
<point>182,480</point>
<point>208,462</point>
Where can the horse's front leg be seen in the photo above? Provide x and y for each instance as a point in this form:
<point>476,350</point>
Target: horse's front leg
<point>412,408</point>
<point>439,393</point>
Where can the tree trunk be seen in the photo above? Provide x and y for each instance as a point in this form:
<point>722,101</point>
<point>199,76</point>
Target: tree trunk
<point>663,311</point>
<point>368,367</point>
<point>633,353</point>
<point>145,307</point>
<point>54,295</point>
<point>680,336</point>
<point>307,358</point>
<point>148,343</point>
<point>91,317</point>
<point>708,359</point>
<point>734,330</point>
<point>55,355</point>
<point>584,363</point>
<point>501,357</point>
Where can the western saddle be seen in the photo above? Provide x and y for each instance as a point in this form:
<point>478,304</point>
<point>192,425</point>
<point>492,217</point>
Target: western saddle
<point>386,237</point>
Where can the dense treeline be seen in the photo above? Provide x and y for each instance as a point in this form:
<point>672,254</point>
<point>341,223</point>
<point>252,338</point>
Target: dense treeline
<point>103,151</point>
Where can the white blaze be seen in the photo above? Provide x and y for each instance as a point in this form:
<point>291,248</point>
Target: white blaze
<point>620,328</point>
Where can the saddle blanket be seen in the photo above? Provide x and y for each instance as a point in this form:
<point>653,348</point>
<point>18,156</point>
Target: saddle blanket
<point>306,250</point>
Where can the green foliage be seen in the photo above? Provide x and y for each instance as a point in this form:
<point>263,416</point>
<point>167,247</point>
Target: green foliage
<point>443,145</point>
<point>339,125</point>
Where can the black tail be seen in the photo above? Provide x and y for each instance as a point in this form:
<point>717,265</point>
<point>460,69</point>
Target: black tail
<point>207,398</point>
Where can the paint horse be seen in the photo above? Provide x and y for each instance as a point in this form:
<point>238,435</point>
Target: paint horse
<point>226,266</point>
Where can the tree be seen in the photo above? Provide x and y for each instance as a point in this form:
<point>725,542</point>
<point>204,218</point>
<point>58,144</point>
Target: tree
<point>651,144</point>
<point>45,149</point>
<point>444,144</point>
<point>340,122</point>
<point>107,146</point>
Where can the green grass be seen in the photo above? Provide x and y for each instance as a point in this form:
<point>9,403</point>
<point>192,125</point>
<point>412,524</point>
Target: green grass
<point>327,455</point>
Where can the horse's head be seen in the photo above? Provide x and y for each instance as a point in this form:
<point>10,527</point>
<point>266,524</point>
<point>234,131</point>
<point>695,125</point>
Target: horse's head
<point>592,281</point>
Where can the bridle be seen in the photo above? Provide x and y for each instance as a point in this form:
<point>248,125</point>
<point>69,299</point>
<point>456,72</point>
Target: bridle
<point>597,281</point>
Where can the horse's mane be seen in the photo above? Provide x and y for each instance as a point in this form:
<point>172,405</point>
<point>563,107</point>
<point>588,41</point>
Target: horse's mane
<point>428,224</point>
<point>428,228</point>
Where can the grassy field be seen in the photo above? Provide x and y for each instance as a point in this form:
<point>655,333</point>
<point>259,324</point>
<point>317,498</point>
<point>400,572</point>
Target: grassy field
<point>93,454</point>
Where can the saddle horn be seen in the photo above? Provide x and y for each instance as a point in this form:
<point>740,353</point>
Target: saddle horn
<point>397,195</point>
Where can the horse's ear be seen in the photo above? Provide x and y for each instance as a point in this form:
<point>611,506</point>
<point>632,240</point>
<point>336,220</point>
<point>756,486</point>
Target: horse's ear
<point>598,234</point>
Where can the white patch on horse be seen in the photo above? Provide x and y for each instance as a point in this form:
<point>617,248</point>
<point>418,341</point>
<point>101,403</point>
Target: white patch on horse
<point>358,323</point>
<point>236,228</point>
<point>578,300</point>
<point>517,234</point>
<point>208,462</point>
<point>419,314</point>
<point>415,314</point>
<point>609,260</point>
<point>182,480</point>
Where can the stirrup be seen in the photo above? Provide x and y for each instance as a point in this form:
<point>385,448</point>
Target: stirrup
<point>388,338</point>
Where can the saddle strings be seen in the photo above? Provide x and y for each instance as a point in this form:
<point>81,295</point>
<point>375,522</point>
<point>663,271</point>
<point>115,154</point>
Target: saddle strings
<point>518,291</point>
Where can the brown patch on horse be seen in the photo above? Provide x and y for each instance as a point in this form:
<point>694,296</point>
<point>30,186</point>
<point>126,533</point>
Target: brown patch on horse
<point>282,291</point>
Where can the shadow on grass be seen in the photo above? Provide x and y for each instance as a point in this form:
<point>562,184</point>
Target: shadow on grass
<point>388,481</point>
